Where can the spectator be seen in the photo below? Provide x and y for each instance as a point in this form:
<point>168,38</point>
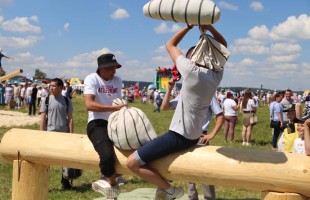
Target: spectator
<point>69,90</point>
<point>9,95</point>
<point>28,94</point>
<point>44,92</point>
<point>39,96</point>
<point>307,136</point>
<point>16,95</point>
<point>286,103</point>
<point>307,105</point>
<point>300,143</point>
<point>33,99</point>
<point>276,113</point>
<point>56,116</point>
<point>248,107</point>
<point>2,100</point>
<point>286,141</point>
<point>221,97</point>
<point>231,116</point>
<point>158,101</point>
<point>22,95</point>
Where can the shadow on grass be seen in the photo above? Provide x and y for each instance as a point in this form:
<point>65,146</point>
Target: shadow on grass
<point>85,187</point>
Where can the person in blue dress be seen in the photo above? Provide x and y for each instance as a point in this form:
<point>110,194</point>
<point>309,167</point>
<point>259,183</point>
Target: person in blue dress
<point>2,95</point>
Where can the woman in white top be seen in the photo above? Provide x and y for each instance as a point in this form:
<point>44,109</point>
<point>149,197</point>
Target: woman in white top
<point>231,115</point>
<point>248,107</point>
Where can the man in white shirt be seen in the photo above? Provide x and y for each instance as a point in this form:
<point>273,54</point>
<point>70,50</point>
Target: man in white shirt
<point>100,89</point>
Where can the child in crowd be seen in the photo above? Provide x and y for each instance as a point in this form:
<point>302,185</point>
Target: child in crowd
<point>286,141</point>
<point>302,142</point>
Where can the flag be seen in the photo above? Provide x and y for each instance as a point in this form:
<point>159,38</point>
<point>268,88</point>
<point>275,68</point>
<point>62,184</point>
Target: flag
<point>28,76</point>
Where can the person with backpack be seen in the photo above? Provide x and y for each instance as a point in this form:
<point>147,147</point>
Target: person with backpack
<point>56,115</point>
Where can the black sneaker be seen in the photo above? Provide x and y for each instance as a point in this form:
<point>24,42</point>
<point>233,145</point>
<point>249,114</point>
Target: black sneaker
<point>66,185</point>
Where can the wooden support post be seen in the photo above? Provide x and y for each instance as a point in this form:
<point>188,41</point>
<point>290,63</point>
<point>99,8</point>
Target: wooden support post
<point>267,195</point>
<point>30,181</point>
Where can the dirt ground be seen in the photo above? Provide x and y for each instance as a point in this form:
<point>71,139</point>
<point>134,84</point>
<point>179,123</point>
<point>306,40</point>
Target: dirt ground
<point>12,118</point>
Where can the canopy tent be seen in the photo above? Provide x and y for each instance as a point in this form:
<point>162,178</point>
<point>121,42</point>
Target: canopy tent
<point>75,81</point>
<point>306,92</point>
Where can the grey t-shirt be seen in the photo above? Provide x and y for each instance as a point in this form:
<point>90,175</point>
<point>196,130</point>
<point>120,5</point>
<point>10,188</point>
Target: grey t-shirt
<point>286,104</point>
<point>198,88</point>
<point>57,113</point>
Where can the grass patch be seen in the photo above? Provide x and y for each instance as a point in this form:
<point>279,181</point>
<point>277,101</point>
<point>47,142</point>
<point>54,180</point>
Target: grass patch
<point>261,139</point>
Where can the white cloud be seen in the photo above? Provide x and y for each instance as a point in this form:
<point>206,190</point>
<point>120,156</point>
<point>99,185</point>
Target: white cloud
<point>260,33</point>
<point>120,14</point>
<point>21,25</point>
<point>281,48</point>
<point>86,59</point>
<point>19,43</point>
<point>283,58</point>
<point>228,6</point>
<point>66,26</point>
<point>257,6</point>
<point>261,40</point>
<point>279,51</point>
<point>164,28</point>
<point>297,28</point>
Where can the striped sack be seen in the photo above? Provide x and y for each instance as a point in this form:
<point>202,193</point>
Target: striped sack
<point>210,53</point>
<point>129,128</point>
<point>186,11</point>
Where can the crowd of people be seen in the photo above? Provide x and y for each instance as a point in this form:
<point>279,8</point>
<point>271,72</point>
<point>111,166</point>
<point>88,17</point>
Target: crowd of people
<point>28,95</point>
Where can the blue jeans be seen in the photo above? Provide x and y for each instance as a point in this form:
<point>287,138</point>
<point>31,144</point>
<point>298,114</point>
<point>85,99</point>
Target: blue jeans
<point>163,145</point>
<point>276,134</point>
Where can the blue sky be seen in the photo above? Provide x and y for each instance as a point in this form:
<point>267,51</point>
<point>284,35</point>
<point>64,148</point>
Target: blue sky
<point>269,40</point>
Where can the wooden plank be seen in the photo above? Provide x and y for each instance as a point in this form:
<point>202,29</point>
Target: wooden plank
<point>240,168</point>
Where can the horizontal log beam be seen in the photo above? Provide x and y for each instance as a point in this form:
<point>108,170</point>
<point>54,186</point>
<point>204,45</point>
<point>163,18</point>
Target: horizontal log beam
<point>10,75</point>
<point>240,168</point>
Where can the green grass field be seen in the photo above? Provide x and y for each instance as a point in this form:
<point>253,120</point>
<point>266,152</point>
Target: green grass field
<point>261,139</point>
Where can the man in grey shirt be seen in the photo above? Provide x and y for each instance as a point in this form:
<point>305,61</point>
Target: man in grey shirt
<point>56,115</point>
<point>286,103</point>
<point>214,108</point>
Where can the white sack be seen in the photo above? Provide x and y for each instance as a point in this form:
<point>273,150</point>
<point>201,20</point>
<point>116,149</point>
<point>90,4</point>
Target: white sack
<point>197,12</point>
<point>129,128</point>
<point>210,53</point>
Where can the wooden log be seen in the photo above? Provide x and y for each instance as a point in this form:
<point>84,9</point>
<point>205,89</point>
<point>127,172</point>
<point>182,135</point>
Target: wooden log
<point>240,168</point>
<point>29,181</point>
<point>10,75</point>
<point>267,195</point>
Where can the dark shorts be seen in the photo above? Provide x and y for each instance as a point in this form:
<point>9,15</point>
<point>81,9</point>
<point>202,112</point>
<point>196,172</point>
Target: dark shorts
<point>163,145</point>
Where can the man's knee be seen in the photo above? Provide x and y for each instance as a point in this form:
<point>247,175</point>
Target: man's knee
<point>132,163</point>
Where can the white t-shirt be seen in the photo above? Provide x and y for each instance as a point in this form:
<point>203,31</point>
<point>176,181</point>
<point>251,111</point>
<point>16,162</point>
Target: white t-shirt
<point>104,91</point>
<point>199,86</point>
<point>39,93</point>
<point>249,106</point>
<point>22,92</point>
<point>29,91</point>
<point>299,146</point>
<point>228,107</point>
